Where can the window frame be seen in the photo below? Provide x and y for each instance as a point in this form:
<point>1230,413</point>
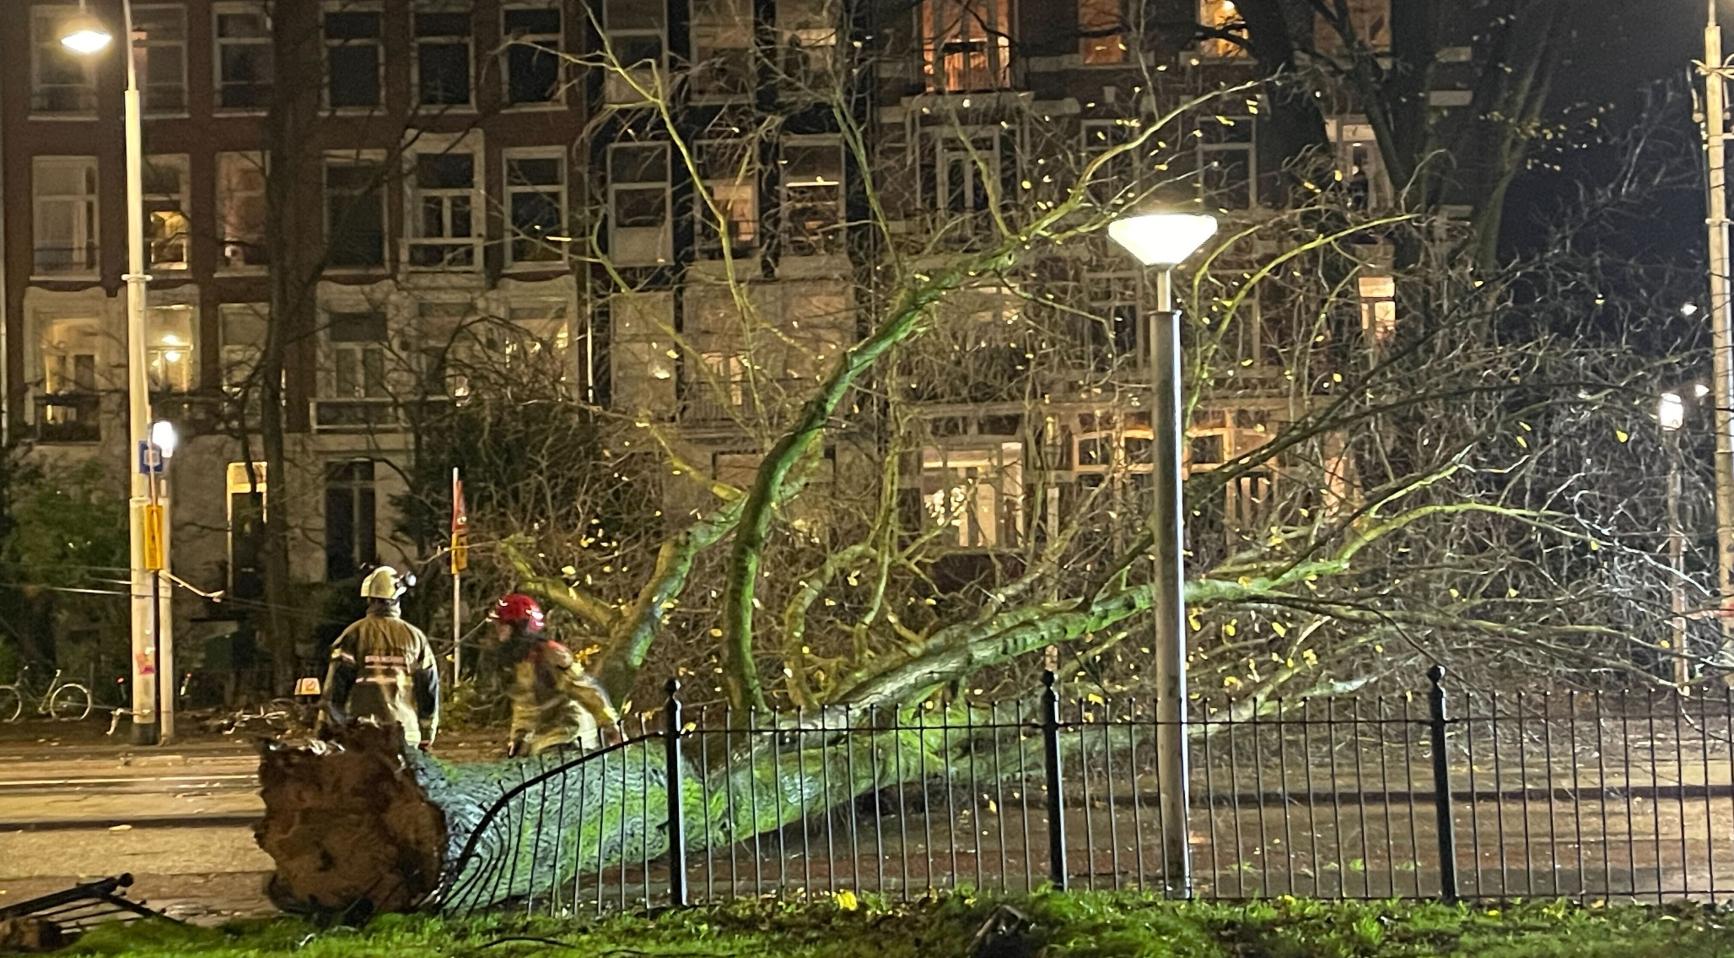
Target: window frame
<point>510,191</point>
<point>1118,42</point>
<point>362,493</point>
<point>219,42</point>
<point>46,18</point>
<point>532,42</point>
<point>415,197</point>
<point>937,45</point>
<point>229,353</point>
<point>824,244</point>
<point>1203,148</point>
<point>156,352</point>
<point>182,163</point>
<point>178,11</point>
<point>711,55</point>
<point>442,8</point>
<point>370,158</point>
<point>90,211</point>
<point>224,195</point>
<point>709,239</point>
<point>615,92</point>
<point>617,188</point>
<point>351,8</point>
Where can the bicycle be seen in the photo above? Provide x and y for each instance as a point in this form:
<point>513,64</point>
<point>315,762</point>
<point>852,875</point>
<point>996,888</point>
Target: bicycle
<point>61,701</point>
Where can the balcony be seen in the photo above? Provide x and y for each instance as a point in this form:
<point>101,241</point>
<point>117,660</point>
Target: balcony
<point>69,417</point>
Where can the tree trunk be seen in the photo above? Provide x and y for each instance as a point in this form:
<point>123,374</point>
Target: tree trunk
<point>360,824</point>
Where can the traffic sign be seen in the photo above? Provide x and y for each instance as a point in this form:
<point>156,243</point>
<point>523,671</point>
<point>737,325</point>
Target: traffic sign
<point>150,458</point>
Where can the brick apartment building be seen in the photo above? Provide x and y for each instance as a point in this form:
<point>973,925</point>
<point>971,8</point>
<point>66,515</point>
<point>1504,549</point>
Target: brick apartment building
<point>457,175</point>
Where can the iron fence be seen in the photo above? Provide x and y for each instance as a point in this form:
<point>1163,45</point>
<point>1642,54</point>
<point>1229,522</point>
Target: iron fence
<point>1434,794</point>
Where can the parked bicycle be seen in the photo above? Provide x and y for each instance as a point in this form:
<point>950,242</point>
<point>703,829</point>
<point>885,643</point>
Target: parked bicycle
<point>61,701</point>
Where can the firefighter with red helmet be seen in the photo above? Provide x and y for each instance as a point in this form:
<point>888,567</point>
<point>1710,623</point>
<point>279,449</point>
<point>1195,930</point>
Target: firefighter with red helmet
<point>555,702</point>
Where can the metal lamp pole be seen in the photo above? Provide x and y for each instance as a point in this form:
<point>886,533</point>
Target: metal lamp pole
<point>1721,324</point>
<point>152,640</point>
<point>1164,240</point>
<point>1671,416</point>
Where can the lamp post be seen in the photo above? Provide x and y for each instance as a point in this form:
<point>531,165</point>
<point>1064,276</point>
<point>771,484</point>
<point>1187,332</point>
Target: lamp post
<point>152,636</point>
<point>1715,72</point>
<point>1164,240</point>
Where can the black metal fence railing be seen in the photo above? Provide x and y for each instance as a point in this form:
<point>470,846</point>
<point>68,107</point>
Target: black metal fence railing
<point>1583,795</point>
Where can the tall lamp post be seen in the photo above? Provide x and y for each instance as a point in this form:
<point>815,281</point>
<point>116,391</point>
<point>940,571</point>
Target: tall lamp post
<point>1721,299</point>
<point>152,634</point>
<point>1164,240</point>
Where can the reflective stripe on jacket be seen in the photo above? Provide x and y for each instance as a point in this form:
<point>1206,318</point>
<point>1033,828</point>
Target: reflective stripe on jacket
<point>555,702</point>
<point>384,668</point>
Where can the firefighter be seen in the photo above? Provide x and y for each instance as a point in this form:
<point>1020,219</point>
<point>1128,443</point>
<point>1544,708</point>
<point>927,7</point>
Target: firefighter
<point>383,668</point>
<point>555,703</point>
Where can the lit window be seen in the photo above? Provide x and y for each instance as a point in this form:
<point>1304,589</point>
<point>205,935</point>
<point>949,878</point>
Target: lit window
<point>62,81</point>
<point>634,31</point>
<point>171,349</point>
<point>730,178</point>
<point>532,54</point>
<point>63,191</point>
<point>1369,19</point>
<point>241,209</point>
<point>966,44</point>
<point>638,203</point>
<point>812,178</point>
<point>976,491</point>
<point>722,47</point>
<point>168,239</point>
<point>244,56</point>
<point>69,350</point>
<point>1378,309</point>
<point>442,55</point>
<point>641,373</point>
<point>1102,32</point>
<point>160,53</point>
<point>536,342</point>
<point>1221,15</point>
<point>354,57</point>
<point>536,206</point>
<point>444,232</point>
<point>354,212</point>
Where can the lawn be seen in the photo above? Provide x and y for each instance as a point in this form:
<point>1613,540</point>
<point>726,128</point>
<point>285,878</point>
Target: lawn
<point>1054,925</point>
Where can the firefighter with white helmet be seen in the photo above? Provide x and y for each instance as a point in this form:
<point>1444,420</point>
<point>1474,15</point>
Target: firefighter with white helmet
<point>383,668</point>
<point>555,703</point>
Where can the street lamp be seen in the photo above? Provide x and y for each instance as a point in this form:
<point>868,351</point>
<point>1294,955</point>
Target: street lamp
<point>1721,266</point>
<point>1671,416</point>
<point>1164,240</point>
<point>152,637</point>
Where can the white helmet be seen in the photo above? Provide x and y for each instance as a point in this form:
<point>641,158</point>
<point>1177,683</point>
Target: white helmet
<point>381,583</point>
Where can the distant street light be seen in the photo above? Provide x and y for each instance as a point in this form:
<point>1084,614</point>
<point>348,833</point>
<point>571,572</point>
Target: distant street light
<point>1164,240</point>
<point>1671,411</point>
<point>152,638</point>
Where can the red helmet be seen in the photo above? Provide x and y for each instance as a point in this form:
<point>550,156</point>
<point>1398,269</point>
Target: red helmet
<point>518,609</point>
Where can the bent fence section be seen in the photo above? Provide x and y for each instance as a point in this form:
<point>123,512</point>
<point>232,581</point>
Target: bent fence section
<point>1591,796</point>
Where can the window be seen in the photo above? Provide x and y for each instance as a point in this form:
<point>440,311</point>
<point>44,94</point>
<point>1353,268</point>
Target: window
<point>248,492</point>
<point>1378,309</point>
<point>241,327</point>
<point>171,349</point>
<point>641,373</point>
<point>1117,336</point>
<point>722,47</point>
<point>444,230</point>
<point>638,202</point>
<point>1369,19</point>
<point>812,175</point>
<point>354,212</point>
<point>442,56</point>
<point>722,390</point>
<point>350,533</point>
<point>966,44</point>
<point>966,184</point>
<point>536,342</point>
<point>354,60</point>
<point>635,32</point>
<point>168,240</point>
<point>241,210</point>
<point>358,344</point>
<point>64,206</point>
<point>69,348</point>
<point>1221,15</point>
<point>442,337</point>
<point>1102,32</point>
<point>1227,162</point>
<point>729,171</point>
<point>532,57</point>
<point>62,81</point>
<point>977,491</point>
<point>244,56</point>
<point>1357,159</point>
<point>69,409</point>
<point>159,41</point>
<point>807,30</point>
<point>536,206</point>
